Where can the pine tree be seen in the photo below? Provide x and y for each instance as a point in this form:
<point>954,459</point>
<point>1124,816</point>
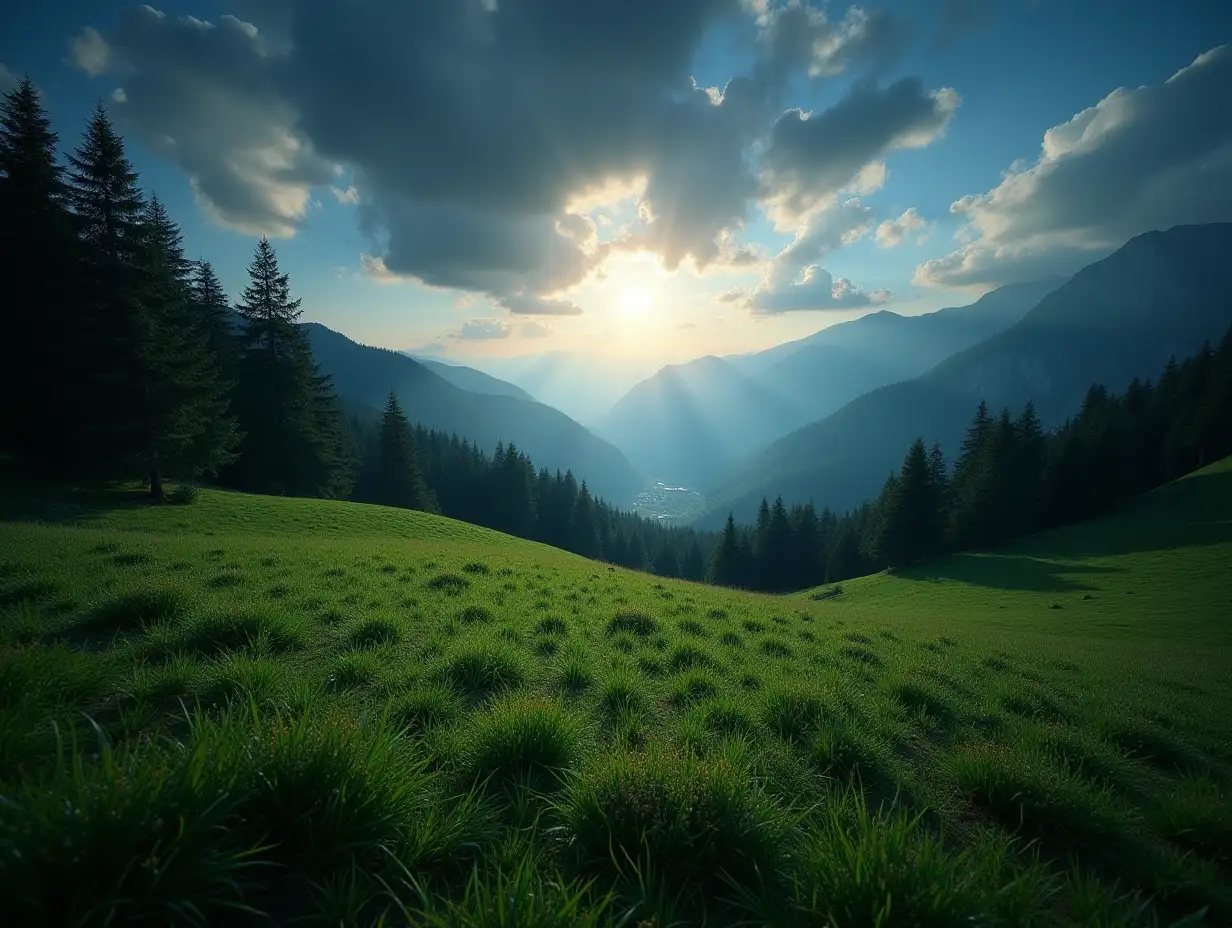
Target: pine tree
<point>293,441</point>
<point>182,421</point>
<point>584,532</point>
<point>727,568</point>
<point>637,551</point>
<point>108,211</point>
<point>693,565</point>
<point>911,529</point>
<point>214,316</point>
<point>666,564</point>
<point>41,355</point>
<point>398,479</point>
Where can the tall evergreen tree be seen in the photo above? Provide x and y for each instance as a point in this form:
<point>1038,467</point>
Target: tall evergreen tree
<point>911,528</point>
<point>693,566</point>
<point>727,568</point>
<point>666,563</point>
<point>584,530</point>
<point>637,551</point>
<point>214,316</point>
<point>42,354</point>
<point>182,419</point>
<point>398,479</point>
<point>292,423</point>
<point>108,211</point>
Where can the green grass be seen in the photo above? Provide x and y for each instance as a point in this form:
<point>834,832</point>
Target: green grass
<point>255,710</point>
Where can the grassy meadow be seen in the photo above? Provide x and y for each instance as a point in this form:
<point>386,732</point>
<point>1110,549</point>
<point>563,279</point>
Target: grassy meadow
<point>251,710</point>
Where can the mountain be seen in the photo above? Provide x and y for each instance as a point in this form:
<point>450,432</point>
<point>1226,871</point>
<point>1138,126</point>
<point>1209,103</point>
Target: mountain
<point>365,375</point>
<point>1159,296</point>
<point>467,378</point>
<point>581,384</point>
<point>690,423</point>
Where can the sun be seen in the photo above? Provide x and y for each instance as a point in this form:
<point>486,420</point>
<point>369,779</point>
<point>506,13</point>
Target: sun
<point>634,301</point>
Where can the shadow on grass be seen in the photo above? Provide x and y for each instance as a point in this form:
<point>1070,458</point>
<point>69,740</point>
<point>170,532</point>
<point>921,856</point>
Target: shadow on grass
<point>1011,572</point>
<point>23,499</point>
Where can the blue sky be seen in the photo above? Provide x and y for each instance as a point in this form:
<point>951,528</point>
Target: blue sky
<point>349,130</point>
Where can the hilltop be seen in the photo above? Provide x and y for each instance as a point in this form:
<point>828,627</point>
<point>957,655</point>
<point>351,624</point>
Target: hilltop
<point>380,693</point>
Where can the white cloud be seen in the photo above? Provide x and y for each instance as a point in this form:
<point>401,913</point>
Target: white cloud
<point>373,267</point>
<point>488,328</point>
<point>1141,159</point>
<point>816,290</point>
<point>893,232</point>
<point>91,52</point>
<point>349,195</point>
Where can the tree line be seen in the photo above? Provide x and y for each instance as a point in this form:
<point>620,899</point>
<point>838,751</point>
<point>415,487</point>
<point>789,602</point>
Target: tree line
<point>122,357</point>
<point>1010,478</point>
<point>401,464</point>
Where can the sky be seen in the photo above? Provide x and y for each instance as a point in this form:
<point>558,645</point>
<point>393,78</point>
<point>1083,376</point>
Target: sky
<point>486,179</point>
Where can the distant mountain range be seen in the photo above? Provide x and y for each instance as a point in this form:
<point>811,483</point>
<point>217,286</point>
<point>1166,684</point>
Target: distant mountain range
<point>1159,296</point>
<point>467,378</point>
<point>692,423</point>
<point>486,412</point>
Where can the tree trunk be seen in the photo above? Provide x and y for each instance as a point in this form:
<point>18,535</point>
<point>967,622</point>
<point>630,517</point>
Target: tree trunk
<point>156,482</point>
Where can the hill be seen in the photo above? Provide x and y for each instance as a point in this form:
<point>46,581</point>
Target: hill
<point>364,376</point>
<point>432,716</point>
<point>1159,296</point>
<point>467,378</point>
<point>692,423</point>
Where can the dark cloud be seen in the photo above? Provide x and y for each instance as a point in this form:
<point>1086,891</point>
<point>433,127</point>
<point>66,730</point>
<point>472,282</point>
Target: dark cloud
<point>473,329</point>
<point>1148,158</point>
<point>811,157</point>
<point>467,129</point>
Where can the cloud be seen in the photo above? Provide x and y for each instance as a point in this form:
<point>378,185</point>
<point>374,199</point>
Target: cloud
<point>527,304</point>
<point>1141,159</point>
<point>812,157</point>
<point>815,290</point>
<point>534,329</point>
<point>794,280</point>
<point>206,97</point>
<point>91,52</point>
<point>472,329</point>
<point>893,232</point>
<point>349,195</point>
<point>478,136</point>
<point>373,267</point>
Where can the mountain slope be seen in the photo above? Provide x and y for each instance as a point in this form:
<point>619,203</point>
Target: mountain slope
<point>1158,296</point>
<point>474,381</point>
<point>690,422</point>
<point>365,375</point>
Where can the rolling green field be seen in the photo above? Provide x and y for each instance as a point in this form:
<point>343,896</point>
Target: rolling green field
<point>252,710</point>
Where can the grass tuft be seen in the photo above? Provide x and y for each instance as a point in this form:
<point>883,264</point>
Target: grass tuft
<point>524,740</point>
<point>373,632</point>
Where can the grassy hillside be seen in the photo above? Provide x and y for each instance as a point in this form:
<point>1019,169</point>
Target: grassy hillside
<point>335,710</point>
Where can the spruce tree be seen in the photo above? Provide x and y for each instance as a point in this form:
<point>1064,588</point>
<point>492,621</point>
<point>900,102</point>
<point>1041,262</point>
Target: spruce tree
<point>727,568</point>
<point>42,353</point>
<point>215,317</point>
<point>182,421</point>
<point>398,479</point>
<point>637,551</point>
<point>292,423</point>
<point>910,530</point>
<point>585,534</point>
<point>693,565</point>
<point>113,332</point>
<point>666,563</point>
